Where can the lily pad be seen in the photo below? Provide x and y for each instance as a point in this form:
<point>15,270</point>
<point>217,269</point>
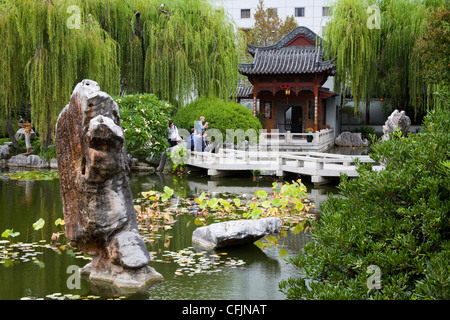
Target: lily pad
<point>39,224</point>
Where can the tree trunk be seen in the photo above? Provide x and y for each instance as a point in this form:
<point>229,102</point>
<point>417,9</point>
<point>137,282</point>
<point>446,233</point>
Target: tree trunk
<point>367,112</point>
<point>48,139</point>
<point>11,133</point>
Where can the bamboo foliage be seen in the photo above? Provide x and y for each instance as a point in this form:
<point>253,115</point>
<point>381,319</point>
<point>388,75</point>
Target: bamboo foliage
<point>184,49</point>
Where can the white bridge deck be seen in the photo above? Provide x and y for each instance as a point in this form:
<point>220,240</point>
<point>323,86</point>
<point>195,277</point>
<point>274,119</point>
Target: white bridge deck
<point>315,164</point>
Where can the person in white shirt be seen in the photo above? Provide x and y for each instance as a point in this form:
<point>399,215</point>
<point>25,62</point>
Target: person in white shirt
<point>173,134</point>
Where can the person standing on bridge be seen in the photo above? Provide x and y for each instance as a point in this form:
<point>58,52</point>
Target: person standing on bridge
<point>173,136</point>
<point>204,135</point>
<point>199,125</point>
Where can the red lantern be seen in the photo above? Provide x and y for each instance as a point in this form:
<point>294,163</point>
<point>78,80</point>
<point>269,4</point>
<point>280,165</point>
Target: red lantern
<point>286,87</point>
<point>287,90</point>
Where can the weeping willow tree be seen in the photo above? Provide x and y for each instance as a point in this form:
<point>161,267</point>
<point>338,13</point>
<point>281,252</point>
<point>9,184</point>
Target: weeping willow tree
<point>177,51</point>
<point>191,49</point>
<point>373,41</point>
<point>44,60</point>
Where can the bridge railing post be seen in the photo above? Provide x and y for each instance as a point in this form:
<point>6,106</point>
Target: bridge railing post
<point>316,137</point>
<point>318,166</point>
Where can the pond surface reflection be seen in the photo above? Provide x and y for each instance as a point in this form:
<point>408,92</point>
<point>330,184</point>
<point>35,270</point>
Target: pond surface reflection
<point>39,270</point>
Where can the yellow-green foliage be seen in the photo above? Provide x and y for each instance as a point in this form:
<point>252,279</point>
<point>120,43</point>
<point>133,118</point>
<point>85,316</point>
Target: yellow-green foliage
<point>44,59</point>
<point>184,48</point>
<point>379,62</point>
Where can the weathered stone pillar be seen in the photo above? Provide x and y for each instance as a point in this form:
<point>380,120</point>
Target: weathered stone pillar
<point>98,206</point>
<point>396,120</point>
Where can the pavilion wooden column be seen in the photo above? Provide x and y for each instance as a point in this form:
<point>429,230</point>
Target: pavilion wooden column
<point>316,106</point>
<point>255,99</point>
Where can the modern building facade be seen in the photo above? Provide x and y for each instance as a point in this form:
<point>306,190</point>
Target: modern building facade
<point>312,14</point>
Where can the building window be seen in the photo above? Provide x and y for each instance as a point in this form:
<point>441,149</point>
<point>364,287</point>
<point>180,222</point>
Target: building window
<point>245,13</point>
<point>274,10</point>
<point>299,12</point>
<point>326,11</point>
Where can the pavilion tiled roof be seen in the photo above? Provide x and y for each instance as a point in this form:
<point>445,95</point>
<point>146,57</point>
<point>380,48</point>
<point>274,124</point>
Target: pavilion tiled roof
<point>245,92</point>
<point>287,61</point>
<point>280,58</point>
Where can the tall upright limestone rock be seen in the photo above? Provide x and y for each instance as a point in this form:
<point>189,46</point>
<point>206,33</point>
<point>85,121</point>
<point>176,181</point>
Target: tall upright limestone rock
<point>97,202</point>
<point>397,119</point>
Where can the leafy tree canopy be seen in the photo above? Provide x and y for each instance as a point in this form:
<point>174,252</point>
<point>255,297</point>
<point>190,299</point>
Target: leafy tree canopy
<point>269,28</point>
<point>374,41</point>
<point>433,48</point>
<point>177,50</point>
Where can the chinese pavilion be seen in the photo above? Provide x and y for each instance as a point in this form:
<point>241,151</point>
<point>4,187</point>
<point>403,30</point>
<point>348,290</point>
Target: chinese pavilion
<point>287,78</point>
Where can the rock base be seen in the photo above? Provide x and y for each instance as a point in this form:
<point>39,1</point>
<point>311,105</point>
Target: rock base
<point>127,280</point>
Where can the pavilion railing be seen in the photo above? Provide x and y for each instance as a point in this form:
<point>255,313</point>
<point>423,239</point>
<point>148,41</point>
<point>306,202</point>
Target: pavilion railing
<point>319,137</point>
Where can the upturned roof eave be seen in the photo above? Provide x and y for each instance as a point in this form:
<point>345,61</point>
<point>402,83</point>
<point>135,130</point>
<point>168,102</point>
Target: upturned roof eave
<point>288,38</point>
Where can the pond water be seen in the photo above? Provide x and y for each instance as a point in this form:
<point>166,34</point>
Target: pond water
<point>38,269</point>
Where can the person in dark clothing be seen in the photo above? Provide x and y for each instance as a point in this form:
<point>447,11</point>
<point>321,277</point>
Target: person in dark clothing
<point>204,135</point>
<point>192,139</point>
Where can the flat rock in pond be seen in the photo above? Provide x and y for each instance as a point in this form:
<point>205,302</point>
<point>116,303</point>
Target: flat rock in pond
<point>222,234</point>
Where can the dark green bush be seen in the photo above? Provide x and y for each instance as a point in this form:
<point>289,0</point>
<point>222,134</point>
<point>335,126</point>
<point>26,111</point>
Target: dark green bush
<point>396,219</point>
<point>48,153</point>
<point>366,132</point>
<point>221,115</point>
<point>145,120</point>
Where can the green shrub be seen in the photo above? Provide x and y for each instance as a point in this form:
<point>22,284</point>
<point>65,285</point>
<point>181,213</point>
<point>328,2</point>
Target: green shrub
<point>145,120</point>
<point>3,140</point>
<point>396,219</point>
<point>221,115</point>
<point>48,153</point>
<point>366,132</point>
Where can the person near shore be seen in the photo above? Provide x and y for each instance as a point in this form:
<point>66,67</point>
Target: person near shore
<point>200,127</point>
<point>27,127</point>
